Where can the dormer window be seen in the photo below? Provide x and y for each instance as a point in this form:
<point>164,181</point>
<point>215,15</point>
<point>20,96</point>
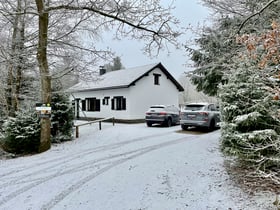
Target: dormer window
<point>156,79</point>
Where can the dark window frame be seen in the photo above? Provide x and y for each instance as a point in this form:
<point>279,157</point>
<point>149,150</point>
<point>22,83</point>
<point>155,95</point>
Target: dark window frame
<point>93,104</point>
<point>156,79</point>
<point>83,102</point>
<point>105,100</point>
<point>118,103</point>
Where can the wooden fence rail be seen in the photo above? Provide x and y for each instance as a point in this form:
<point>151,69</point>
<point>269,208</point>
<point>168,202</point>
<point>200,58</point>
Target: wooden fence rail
<point>91,122</point>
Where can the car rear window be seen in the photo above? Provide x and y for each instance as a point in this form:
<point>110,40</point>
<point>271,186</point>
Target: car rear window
<point>156,109</point>
<point>194,107</point>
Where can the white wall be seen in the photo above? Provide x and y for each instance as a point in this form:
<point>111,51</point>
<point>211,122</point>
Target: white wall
<point>105,110</point>
<point>138,98</point>
<point>145,94</point>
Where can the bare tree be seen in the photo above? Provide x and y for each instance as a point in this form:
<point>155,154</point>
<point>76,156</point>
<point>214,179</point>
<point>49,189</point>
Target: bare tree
<point>13,53</point>
<point>140,20</point>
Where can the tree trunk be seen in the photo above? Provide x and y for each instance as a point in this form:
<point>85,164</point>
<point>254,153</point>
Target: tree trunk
<point>45,140</point>
<point>16,62</point>
<point>10,91</point>
<point>20,61</point>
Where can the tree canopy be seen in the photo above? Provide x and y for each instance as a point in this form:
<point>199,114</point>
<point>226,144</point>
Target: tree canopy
<point>217,46</point>
<point>238,60</point>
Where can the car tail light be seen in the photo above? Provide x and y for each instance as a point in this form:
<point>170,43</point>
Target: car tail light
<point>204,115</point>
<point>162,113</point>
<point>148,113</point>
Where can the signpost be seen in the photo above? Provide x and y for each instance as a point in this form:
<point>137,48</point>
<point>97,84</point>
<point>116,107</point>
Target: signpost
<point>43,110</point>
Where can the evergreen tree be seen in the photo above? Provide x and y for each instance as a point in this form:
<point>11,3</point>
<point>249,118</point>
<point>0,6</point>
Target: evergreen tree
<point>22,133</point>
<point>217,45</point>
<point>213,59</point>
<point>251,126</point>
<point>62,117</point>
<point>117,65</point>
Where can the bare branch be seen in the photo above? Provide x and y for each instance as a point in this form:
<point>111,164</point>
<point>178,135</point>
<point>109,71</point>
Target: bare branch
<point>254,14</point>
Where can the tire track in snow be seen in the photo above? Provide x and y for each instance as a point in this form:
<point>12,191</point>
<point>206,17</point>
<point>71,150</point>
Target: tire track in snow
<point>113,164</point>
<point>65,159</point>
<point>73,170</point>
<point>89,165</point>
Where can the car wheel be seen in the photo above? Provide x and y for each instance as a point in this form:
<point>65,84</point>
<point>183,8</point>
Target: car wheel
<point>184,127</point>
<point>169,122</point>
<point>149,124</point>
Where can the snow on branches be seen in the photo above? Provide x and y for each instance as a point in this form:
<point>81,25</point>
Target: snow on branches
<point>251,122</point>
<point>264,50</point>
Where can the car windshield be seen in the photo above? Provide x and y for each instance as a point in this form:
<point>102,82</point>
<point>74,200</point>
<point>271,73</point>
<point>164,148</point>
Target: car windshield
<point>194,107</point>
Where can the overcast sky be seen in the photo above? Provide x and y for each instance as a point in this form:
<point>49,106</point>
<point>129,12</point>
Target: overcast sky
<point>188,12</point>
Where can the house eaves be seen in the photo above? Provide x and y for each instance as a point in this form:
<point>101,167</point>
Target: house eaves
<point>164,70</point>
<point>104,88</point>
<point>123,79</point>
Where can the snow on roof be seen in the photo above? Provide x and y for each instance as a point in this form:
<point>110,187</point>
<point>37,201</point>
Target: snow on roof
<point>114,79</point>
<point>198,103</point>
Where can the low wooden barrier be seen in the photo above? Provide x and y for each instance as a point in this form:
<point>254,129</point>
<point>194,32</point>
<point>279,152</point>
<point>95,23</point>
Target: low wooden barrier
<point>91,122</point>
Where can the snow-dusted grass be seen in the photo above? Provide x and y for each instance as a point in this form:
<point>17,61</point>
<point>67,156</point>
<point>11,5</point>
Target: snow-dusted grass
<point>125,167</point>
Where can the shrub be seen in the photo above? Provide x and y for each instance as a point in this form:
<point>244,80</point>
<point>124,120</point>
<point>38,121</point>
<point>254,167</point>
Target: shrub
<point>62,118</point>
<point>22,133</point>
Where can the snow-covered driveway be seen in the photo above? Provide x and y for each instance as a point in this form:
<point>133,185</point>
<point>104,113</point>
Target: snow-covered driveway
<point>124,167</point>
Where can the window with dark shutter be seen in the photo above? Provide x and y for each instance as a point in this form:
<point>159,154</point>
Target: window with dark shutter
<point>156,79</point>
<point>118,103</point>
<point>93,104</point>
<point>112,104</point>
<point>105,100</point>
<point>123,103</point>
<point>83,105</point>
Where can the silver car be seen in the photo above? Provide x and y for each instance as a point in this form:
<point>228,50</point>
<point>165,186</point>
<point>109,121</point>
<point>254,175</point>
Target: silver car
<point>166,115</point>
<point>204,115</point>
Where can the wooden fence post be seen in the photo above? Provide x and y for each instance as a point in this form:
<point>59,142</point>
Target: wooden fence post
<point>89,123</point>
<point>77,131</point>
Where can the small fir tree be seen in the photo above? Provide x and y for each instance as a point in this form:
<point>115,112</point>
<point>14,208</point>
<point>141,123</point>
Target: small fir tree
<point>62,118</point>
<point>22,133</point>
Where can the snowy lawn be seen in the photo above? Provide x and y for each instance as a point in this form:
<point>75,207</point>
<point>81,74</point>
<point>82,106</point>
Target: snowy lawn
<point>126,167</point>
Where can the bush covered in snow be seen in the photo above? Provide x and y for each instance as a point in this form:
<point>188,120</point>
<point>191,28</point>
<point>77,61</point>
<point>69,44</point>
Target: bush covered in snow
<point>22,133</point>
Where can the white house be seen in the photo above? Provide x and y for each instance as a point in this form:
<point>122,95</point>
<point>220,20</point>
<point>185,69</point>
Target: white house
<point>125,94</point>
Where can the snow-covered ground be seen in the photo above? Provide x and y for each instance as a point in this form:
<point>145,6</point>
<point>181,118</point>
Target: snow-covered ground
<point>126,167</point>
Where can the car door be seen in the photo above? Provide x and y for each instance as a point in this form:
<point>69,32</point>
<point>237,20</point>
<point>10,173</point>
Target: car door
<point>215,113</point>
<point>175,114</point>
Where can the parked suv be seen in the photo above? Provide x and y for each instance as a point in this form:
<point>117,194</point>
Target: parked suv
<point>163,114</point>
<point>200,115</point>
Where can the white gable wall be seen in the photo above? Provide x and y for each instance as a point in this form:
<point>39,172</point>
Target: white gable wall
<point>145,93</point>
